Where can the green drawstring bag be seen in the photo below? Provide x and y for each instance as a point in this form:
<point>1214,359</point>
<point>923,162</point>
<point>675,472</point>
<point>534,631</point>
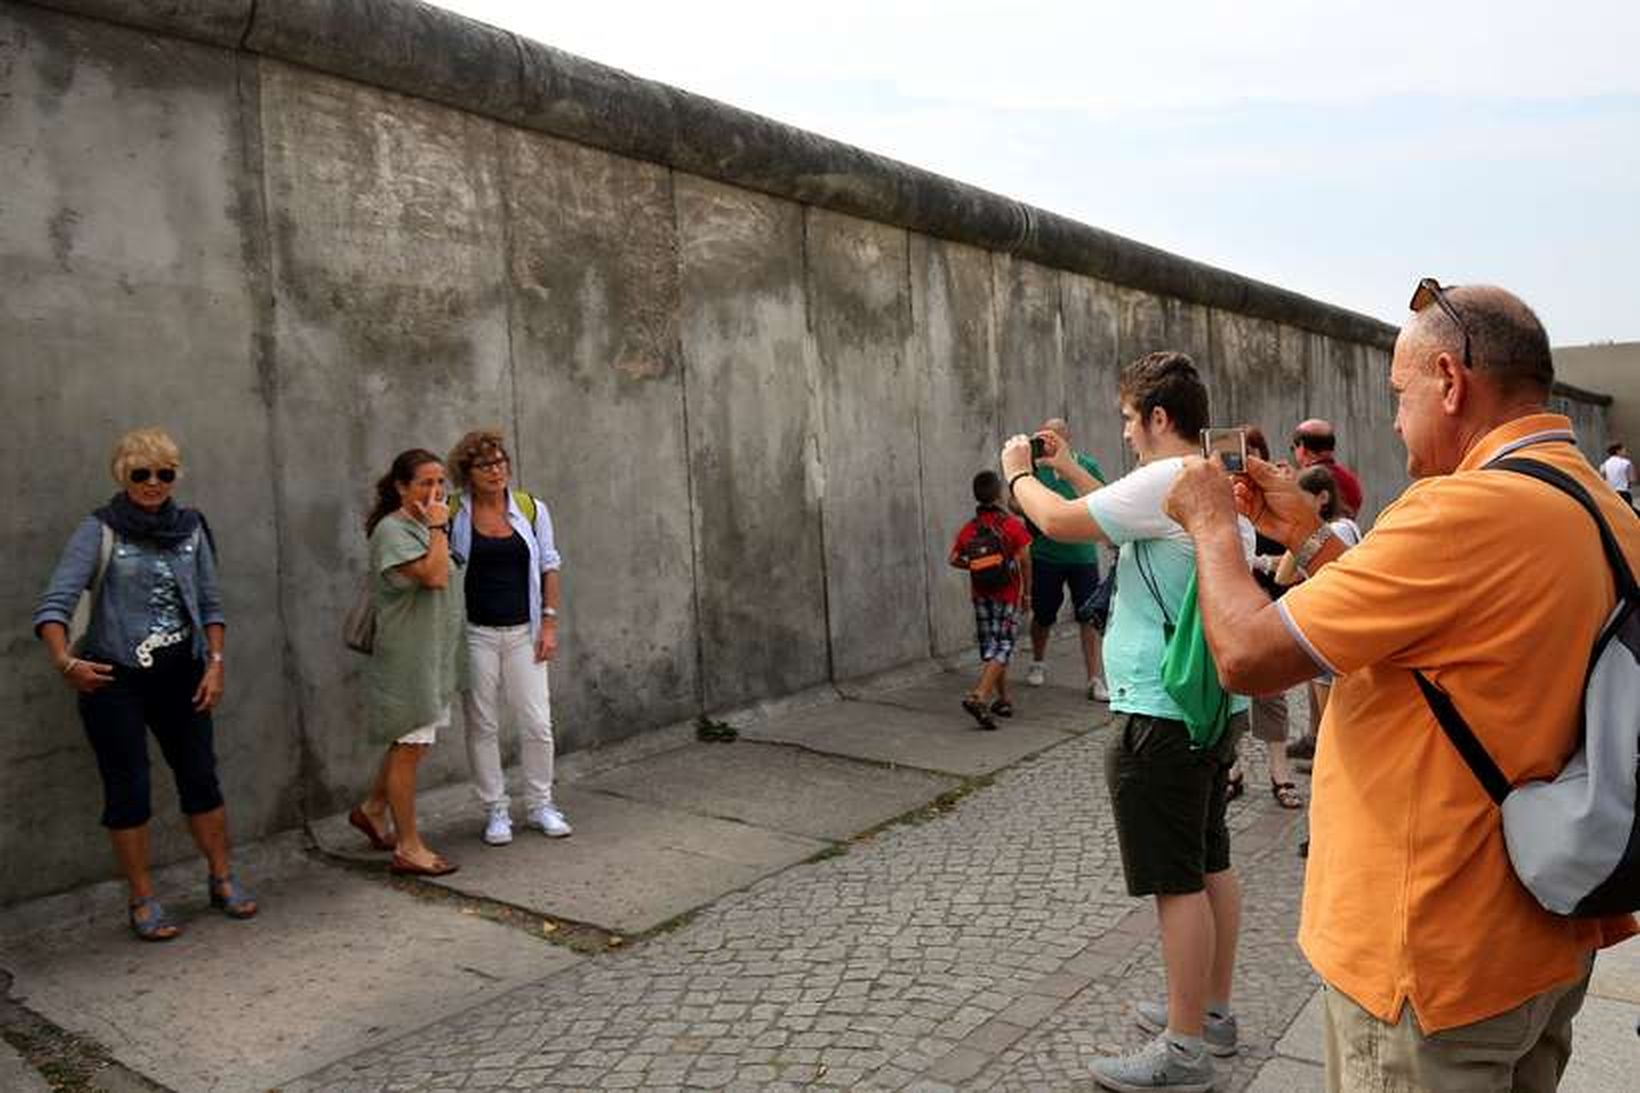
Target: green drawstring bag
<point>1189,676</point>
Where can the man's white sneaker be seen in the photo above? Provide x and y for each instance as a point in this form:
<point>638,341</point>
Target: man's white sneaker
<point>1219,1034</point>
<point>550,822</point>
<point>1157,1065</point>
<point>1037,674</point>
<point>1098,691</point>
<point>498,826</point>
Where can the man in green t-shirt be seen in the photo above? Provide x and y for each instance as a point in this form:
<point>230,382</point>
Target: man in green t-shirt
<point>1057,566</point>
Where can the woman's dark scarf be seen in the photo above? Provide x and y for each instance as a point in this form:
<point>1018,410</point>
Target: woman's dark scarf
<point>168,527</point>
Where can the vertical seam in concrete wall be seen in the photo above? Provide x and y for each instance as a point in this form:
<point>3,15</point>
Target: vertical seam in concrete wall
<point>688,450</point>
<point>814,364</point>
<point>1064,410</point>
<point>504,188</point>
<point>248,66</point>
<point>918,365</point>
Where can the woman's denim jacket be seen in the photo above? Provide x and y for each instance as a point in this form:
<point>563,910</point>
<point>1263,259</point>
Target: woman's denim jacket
<point>119,618</point>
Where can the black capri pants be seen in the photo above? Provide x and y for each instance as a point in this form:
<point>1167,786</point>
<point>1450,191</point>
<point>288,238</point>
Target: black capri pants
<point>117,721</point>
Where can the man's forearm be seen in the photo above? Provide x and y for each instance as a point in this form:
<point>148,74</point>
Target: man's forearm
<point>1252,650</point>
<point>1079,478</point>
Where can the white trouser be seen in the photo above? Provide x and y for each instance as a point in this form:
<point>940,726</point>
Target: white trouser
<point>502,661</point>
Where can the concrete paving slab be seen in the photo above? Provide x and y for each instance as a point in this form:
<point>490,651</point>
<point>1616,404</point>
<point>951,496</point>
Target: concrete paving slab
<point>1288,1076</point>
<point>1303,1037</point>
<point>775,787</point>
<point>1605,1047</point>
<point>1617,973</point>
<point>947,742</point>
<point>629,867</point>
<point>1054,706</point>
<point>334,962</point>
<point>16,1076</point>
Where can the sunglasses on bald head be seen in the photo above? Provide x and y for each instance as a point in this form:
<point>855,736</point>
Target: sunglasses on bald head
<point>1429,291</point>
<point>139,475</point>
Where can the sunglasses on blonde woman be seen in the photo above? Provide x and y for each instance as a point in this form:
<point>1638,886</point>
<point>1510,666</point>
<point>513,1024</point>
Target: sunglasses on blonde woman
<point>139,475</point>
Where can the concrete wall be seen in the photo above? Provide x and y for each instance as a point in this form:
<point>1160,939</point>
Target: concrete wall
<point>1613,369</point>
<point>751,371</point>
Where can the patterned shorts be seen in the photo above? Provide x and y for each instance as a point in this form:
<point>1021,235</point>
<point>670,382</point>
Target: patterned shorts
<point>995,624</point>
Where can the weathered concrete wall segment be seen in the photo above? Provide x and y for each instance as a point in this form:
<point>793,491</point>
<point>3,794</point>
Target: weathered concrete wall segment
<point>755,414</point>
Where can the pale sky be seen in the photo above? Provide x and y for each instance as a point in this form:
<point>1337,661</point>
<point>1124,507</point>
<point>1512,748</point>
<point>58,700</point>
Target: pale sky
<point>1340,149</point>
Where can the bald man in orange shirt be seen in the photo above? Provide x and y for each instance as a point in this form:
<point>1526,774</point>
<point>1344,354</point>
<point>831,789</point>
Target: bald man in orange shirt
<point>1442,971</point>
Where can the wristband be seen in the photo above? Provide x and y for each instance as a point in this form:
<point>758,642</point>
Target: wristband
<point>549,612</point>
<point>1309,548</point>
<point>1017,477</point>
<point>68,665</point>
<point>214,658</point>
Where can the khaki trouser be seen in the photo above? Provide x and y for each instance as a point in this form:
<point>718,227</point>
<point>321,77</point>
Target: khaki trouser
<point>1523,1050</point>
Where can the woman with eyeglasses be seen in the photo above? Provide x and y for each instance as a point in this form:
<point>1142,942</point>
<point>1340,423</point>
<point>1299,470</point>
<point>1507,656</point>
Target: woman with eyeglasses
<point>150,660</point>
<point>512,631</point>
<point>418,660</point>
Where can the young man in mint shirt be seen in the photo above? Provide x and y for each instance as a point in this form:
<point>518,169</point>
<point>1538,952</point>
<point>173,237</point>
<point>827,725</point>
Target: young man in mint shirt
<point>1168,797</point>
<point>1056,566</point>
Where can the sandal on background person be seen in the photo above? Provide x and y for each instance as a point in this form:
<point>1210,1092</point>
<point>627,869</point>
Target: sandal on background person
<point>1286,794</point>
<point>977,710</point>
<point>1002,708</point>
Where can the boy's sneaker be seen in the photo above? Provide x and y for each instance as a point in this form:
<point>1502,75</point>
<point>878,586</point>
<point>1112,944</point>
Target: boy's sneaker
<point>498,826</point>
<point>550,822</point>
<point>1037,674</point>
<point>1098,691</point>
<point>1157,1065</point>
<point>1218,1033</point>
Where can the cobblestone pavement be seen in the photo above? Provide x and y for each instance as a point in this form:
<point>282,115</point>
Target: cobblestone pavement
<point>993,947</point>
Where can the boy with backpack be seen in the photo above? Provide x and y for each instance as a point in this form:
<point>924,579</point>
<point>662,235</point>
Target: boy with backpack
<point>994,548</point>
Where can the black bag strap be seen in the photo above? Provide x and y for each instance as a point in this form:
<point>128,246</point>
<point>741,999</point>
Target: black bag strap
<point>1463,738</point>
<point>1440,704</point>
<point>1570,486</point>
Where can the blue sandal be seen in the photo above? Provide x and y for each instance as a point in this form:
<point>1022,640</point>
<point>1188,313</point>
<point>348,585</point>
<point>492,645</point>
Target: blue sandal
<point>154,927</point>
<point>238,903</point>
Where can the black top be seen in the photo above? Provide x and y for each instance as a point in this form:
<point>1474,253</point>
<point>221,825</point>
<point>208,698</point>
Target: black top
<point>498,581</point>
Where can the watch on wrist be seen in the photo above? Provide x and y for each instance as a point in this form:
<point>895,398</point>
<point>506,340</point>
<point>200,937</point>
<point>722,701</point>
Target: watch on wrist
<point>1309,548</point>
<point>214,657</point>
<point>549,612</point>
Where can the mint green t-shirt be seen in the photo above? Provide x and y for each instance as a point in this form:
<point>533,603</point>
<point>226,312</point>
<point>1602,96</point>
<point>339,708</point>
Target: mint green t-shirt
<point>1044,549</point>
<point>1129,512</point>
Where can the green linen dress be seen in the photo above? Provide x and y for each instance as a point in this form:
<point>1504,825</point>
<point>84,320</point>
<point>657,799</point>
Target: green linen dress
<point>420,658</point>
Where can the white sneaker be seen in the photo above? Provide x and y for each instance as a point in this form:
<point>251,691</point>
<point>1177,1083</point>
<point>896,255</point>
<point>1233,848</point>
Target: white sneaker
<point>498,827</point>
<point>1098,691</point>
<point>1037,674</point>
<point>550,822</point>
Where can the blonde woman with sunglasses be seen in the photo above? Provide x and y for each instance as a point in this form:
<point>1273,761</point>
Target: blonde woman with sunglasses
<point>150,660</point>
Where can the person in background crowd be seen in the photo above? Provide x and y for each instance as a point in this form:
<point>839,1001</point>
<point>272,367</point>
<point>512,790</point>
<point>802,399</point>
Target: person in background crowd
<point>1314,444</point>
<point>1618,471</point>
<point>1167,794</point>
<point>420,653</point>
<point>151,660</point>
<point>1056,566</point>
<point>993,548</point>
<point>512,630</point>
<point>1269,716</point>
<point>1442,971</point>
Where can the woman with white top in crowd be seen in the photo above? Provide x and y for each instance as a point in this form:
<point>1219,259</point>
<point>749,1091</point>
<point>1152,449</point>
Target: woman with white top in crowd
<point>512,630</point>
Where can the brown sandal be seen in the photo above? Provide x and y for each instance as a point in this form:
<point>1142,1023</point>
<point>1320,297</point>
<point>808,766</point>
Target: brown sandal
<point>360,819</point>
<point>1286,794</point>
<point>439,867</point>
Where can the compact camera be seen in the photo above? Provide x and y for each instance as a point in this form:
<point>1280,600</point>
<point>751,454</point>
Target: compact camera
<point>1230,446</point>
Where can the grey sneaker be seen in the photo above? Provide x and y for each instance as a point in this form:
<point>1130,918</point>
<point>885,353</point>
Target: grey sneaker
<point>1157,1065</point>
<point>1218,1033</point>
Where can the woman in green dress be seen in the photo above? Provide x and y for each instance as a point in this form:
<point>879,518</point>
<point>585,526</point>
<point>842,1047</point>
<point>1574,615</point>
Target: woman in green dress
<point>419,652</point>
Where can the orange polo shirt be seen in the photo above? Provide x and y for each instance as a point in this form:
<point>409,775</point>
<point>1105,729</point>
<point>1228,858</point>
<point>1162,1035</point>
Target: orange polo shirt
<point>1494,586</point>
